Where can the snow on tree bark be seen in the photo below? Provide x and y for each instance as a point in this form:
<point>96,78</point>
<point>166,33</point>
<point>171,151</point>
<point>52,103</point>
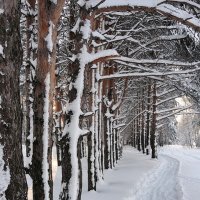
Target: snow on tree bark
<point>31,48</point>
<point>153,124</point>
<point>41,171</point>
<point>147,141</point>
<point>12,173</point>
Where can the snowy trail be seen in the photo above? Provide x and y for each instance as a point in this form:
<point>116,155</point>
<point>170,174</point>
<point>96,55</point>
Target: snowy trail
<point>174,176</point>
<point>188,175</point>
<point>123,178</point>
<point>159,184</point>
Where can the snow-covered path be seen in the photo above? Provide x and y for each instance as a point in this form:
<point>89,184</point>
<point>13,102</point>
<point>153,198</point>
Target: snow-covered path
<point>188,175</point>
<point>161,183</point>
<point>120,181</point>
<point>174,176</point>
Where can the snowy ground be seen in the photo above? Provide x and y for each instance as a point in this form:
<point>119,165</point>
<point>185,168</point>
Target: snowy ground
<point>189,170</point>
<point>174,176</point>
<point>120,181</point>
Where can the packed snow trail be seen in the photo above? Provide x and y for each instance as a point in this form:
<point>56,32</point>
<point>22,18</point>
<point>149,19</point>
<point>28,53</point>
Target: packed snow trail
<point>119,181</point>
<point>138,177</point>
<point>159,184</point>
<point>188,175</point>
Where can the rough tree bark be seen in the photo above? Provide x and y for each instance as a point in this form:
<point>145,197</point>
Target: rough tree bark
<point>153,124</point>
<point>89,74</point>
<point>11,159</point>
<point>48,16</point>
<point>30,67</point>
<point>143,123</point>
<point>148,117</point>
<point>138,135</point>
<point>71,165</point>
<point>105,125</point>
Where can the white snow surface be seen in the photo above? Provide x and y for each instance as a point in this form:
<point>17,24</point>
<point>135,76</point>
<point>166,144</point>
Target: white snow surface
<point>1,51</point>
<point>119,182</point>
<point>48,38</point>
<point>90,57</point>
<point>4,176</point>
<point>54,1</point>
<point>45,138</point>
<point>188,174</point>
<point>86,29</point>
<point>1,11</point>
<point>173,176</point>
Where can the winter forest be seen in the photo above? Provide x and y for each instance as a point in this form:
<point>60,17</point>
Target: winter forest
<point>99,99</point>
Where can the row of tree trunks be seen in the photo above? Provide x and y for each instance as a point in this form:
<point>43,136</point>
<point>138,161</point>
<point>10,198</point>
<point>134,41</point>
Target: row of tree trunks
<point>44,84</point>
<point>85,74</point>
<point>144,121</point>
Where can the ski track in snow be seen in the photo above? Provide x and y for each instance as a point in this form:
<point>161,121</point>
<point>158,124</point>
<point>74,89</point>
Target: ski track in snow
<point>160,183</point>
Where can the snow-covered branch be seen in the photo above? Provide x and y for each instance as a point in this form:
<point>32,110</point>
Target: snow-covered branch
<point>147,74</point>
<point>152,6</point>
<point>166,116</point>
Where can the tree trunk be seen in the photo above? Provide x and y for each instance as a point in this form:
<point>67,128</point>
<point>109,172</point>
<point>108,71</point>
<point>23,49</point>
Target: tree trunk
<point>48,16</point>
<point>106,143</point>
<point>153,125</point>
<point>11,158</point>
<point>134,132</point>
<point>148,118</point>
<point>138,130</point>
<point>30,67</point>
<point>71,167</point>
<point>116,146</point>
<point>91,163</point>
<point>106,152</point>
<point>142,123</point>
<point>58,117</point>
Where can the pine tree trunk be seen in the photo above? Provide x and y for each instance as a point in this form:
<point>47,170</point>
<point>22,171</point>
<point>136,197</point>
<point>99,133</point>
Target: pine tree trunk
<point>110,143</point>
<point>71,165</point>
<point>113,147</point>
<point>30,67</point>
<point>42,145</point>
<point>48,16</point>
<point>106,143</point>
<point>138,130</point>
<point>142,123</point>
<point>153,125</point>
<point>105,126</point>
<point>134,132</point>
<point>148,118</point>
<point>92,137</point>
<point>116,146</point>
<point>11,159</point>
<point>100,123</point>
<point>58,119</point>
<point>91,163</point>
